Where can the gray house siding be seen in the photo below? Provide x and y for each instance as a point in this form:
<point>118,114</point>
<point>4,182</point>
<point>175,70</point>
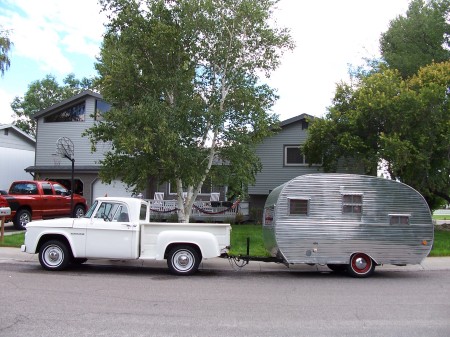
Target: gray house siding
<point>271,153</point>
<point>48,165</point>
<point>48,134</point>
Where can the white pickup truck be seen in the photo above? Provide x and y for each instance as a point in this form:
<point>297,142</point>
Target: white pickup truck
<point>120,229</point>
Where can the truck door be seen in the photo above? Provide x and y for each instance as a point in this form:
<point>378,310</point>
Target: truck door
<point>110,233</point>
<point>51,203</point>
<point>62,200</point>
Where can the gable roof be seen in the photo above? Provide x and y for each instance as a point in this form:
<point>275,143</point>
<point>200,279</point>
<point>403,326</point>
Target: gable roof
<point>20,132</point>
<point>296,119</point>
<point>68,101</point>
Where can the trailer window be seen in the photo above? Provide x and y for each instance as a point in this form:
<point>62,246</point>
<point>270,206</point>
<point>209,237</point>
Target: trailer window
<point>298,206</point>
<point>352,203</point>
<point>395,219</point>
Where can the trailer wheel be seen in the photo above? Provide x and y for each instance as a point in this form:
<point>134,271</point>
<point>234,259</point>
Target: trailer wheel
<point>360,265</point>
<point>183,260</point>
<point>54,255</point>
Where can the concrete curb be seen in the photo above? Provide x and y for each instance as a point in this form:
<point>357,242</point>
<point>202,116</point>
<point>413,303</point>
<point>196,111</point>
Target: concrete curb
<point>14,255</point>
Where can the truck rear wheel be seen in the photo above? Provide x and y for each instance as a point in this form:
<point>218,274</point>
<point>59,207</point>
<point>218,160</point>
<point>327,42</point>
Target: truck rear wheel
<point>360,265</point>
<point>54,255</point>
<point>23,216</point>
<point>183,260</point>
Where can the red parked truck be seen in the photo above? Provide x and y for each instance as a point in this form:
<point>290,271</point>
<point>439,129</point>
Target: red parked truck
<point>32,200</point>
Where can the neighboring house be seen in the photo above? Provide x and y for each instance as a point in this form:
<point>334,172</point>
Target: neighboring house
<point>17,150</point>
<point>282,160</point>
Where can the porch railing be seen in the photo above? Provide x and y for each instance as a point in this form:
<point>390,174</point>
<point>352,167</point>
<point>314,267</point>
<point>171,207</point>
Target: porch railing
<point>200,209</point>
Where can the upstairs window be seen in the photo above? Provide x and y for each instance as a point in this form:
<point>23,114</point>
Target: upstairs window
<point>293,156</point>
<point>352,203</point>
<point>101,107</point>
<point>298,206</point>
<point>399,219</point>
<point>74,113</point>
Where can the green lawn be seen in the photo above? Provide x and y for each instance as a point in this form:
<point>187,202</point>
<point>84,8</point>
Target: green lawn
<point>240,233</point>
<point>441,217</point>
<point>14,240</point>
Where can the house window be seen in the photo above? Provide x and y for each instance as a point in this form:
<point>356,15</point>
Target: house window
<point>100,108</point>
<point>73,113</point>
<point>293,156</point>
<point>6,132</point>
<point>352,203</point>
<point>298,206</point>
<point>399,219</point>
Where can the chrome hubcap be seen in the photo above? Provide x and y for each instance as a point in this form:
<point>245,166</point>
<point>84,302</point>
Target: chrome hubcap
<point>360,263</point>
<point>53,255</point>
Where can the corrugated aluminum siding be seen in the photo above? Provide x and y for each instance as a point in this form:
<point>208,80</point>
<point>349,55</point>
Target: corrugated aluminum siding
<point>326,235</point>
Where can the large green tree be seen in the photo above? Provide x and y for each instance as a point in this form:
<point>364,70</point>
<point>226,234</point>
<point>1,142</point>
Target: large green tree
<point>41,94</point>
<point>182,78</point>
<point>5,46</point>
<point>419,38</point>
<point>402,123</point>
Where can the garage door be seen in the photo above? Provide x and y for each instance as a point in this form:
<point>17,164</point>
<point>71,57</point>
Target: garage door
<point>115,189</point>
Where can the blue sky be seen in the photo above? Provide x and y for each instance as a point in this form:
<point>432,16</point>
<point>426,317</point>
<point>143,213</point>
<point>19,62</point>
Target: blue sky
<point>63,36</point>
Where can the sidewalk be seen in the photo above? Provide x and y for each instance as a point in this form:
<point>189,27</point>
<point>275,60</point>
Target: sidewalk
<point>14,255</point>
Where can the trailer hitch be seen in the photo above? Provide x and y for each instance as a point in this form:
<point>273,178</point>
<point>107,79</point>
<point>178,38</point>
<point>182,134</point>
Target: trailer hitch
<point>241,261</point>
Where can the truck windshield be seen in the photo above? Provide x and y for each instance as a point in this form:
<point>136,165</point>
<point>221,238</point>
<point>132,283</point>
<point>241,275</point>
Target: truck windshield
<point>91,210</point>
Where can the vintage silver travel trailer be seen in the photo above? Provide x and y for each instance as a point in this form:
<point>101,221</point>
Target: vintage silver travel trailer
<point>348,222</point>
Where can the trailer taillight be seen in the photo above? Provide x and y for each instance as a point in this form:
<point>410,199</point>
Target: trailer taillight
<point>424,242</point>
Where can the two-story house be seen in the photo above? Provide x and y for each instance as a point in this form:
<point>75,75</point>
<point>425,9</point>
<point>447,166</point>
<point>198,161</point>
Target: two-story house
<point>16,153</point>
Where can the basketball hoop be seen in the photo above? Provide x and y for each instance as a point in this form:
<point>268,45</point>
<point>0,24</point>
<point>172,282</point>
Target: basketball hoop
<point>65,148</point>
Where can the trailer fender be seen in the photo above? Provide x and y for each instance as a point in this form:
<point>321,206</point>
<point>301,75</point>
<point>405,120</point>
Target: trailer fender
<point>206,242</point>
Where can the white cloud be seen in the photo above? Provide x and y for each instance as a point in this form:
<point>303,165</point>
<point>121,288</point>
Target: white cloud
<point>329,35</point>
<point>48,31</point>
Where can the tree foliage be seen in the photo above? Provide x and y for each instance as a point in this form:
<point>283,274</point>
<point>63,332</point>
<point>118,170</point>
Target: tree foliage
<point>5,46</point>
<point>182,78</point>
<point>42,94</point>
<point>403,123</point>
<point>419,38</point>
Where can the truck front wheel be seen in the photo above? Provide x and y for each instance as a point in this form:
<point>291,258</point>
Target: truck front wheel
<point>54,255</point>
<point>183,260</point>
